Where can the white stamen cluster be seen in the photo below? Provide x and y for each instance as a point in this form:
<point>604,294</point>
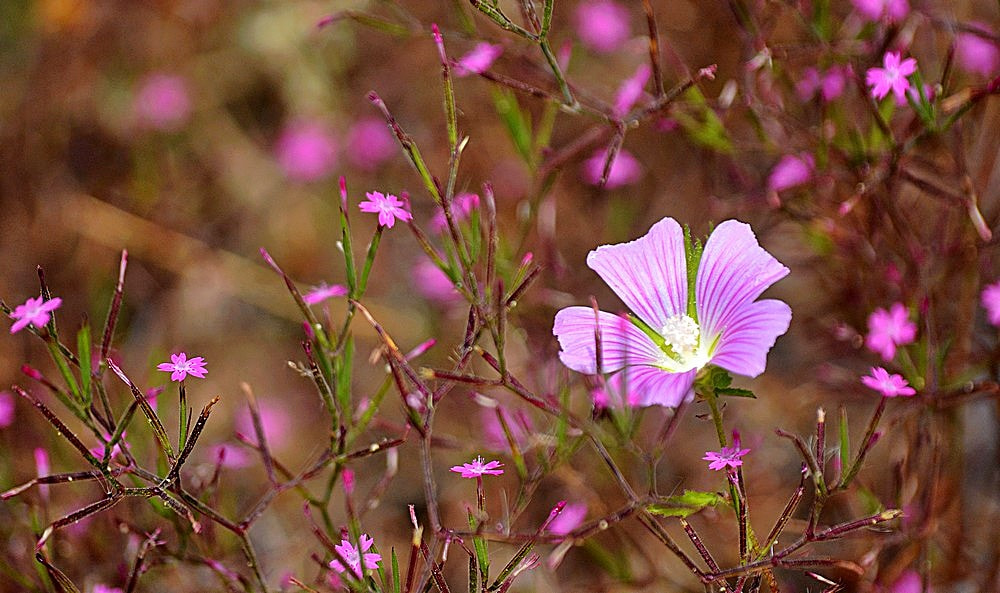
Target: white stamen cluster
<point>682,334</point>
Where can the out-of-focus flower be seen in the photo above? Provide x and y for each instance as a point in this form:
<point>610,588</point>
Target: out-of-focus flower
<point>6,409</point>
<point>180,366</point>
<point>661,346</point>
<point>102,588</point>
<point>889,329</point>
<point>892,76</point>
<point>477,468</point>
<point>34,311</point>
<point>570,518</point>
<point>991,302</point>
<point>42,468</point>
<point>478,60</point>
<point>631,90</point>
<point>626,170</point>
<point>791,171</point>
<point>323,292</point>
<point>726,457</point>
<point>518,423</point>
<point>461,208</point>
<point>977,54</point>
<point>908,582</point>
<point>162,102</point>
<point>274,419</point>
<point>876,10</point>
<point>355,558</point>
<point>603,25</point>
<point>306,152</point>
<point>230,456</point>
<point>888,385</point>
<point>614,393</point>
<point>829,85</point>
<point>369,143</point>
<point>387,206</point>
<point>431,282</point>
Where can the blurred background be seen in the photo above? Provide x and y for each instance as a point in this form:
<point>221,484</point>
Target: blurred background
<point>194,132</point>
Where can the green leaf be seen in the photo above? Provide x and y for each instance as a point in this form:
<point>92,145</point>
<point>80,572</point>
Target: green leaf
<point>83,354</point>
<point>701,123</point>
<point>735,392</point>
<point>683,505</point>
<point>518,124</point>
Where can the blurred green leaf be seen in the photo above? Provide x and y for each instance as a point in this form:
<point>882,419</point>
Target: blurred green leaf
<point>516,121</point>
<point>683,505</point>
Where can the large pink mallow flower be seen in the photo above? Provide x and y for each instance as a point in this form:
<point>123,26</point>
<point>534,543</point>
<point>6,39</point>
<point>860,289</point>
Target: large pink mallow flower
<point>162,102</point>
<point>306,152</point>
<point>892,76</point>
<point>990,298</point>
<point>603,25</point>
<point>889,329</point>
<point>666,340</point>
<point>356,558</point>
<point>977,54</point>
<point>876,10</point>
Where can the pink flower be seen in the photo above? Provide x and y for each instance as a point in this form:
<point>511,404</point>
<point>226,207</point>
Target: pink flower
<point>102,588</point>
<point>388,207</point>
<point>792,170</point>
<point>230,456</point>
<point>603,25</point>
<point>369,143</point>
<point>180,367</point>
<point>569,519</point>
<point>631,90</point>
<point>433,284</point>
<point>354,557</point>
<point>888,385</point>
<point>977,54</point>
<point>519,424</point>
<point>162,102</point>
<point>44,468</point>
<point>908,582</point>
<point>34,312</point>
<point>323,292</point>
<point>614,393</point>
<point>478,60</point>
<point>477,468</point>
<point>889,329</point>
<point>626,170</point>
<point>891,77</point>
<point>6,409</point>
<point>991,302</point>
<point>727,457</point>
<point>461,208</point>
<point>830,85</point>
<point>274,419</point>
<point>306,152</point>
<point>875,10</point>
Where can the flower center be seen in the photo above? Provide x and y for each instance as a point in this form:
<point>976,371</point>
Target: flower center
<point>682,334</point>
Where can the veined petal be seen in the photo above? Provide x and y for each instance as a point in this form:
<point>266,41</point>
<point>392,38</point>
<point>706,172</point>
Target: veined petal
<point>734,271</point>
<point>622,343</point>
<point>648,274</point>
<point>653,386</point>
<point>749,335</point>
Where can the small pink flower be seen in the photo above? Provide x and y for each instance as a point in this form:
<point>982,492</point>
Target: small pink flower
<point>889,329</point>
<point>570,518</point>
<point>306,152</point>
<point>433,284</point>
<point>180,366</point>
<point>162,102</point>
<point>461,208</point>
<point>477,468</point>
<point>991,302</point>
<point>478,60</point>
<point>6,409</point>
<point>323,292</point>
<point>876,10</point>
<point>354,557</point>
<point>626,170</point>
<point>977,54</point>
<point>888,385</point>
<point>603,25</point>
<point>388,207</point>
<point>274,419</point>
<point>34,312</point>
<point>727,457</point>
<point>229,456</point>
<point>791,171</point>
<point>631,90</point>
<point>891,77</point>
<point>369,144</point>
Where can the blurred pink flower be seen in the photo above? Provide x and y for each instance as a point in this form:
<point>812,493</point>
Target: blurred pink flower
<point>387,206</point>
<point>726,457</point>
<point>6,409</point>
<point>180,366</point>
<point>42,468</point>
<point>477,468</point>
<point>631,90</point>
<point>275,420</point>
<point>461,207</point>
<point>33,312</point>
<point>102,588</point>
<point>162,102</point>
<point>830,85</point>
<point>990,298</point>
<point>570,518</point>
<point>888,385</point>
<point>369,143</point>
<point>306,152</point>
<point>976,54</point>
<point>229,456</point>
<point>614,393</point>
<point>908,582</point>
<point>603,25</point>
<point>626,170</point>
<point>876,10</point>
<point>519,423</point>
<point>792,170</point>
<point>433,284</point>
<point>356,558</point>
<point>323,292</point>
<point>891,77</point>
<point>478,60</point>
<point>889,329</point>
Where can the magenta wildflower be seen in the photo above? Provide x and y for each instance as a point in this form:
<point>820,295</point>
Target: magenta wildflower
<point>162,102</point>
<point>6,409</point>
<point>570,518</point>
<point>889,329</point>
<point>891,77</point>
<point>603,25</point>
<point>356,558</point>
<point>726,457</point>
<point>876,10</point>
<point>369,143</point>
<point>306,152</point>
<point>792,170</point>
<point>102,588</point>
<point>477,468</point>
<point>888,385</point>
<point>275,420</point>
<point>229,456</point>
<point>43,467</point>
<point>977,54</point>
<point>478,60</point>
<point>614,393</point>
<point>433,284</point>
<point>908,582</point>
<point>33,312</point>
<point>388,207</point>
<point>180,366</point>
<point>631,90</point>
<point>990,299</point>
<point>662,345</point>
<point>626,170</point>
<point>829,85</point>
<point>461,208</point>
<point>520,426</point>
<point>323,292</point>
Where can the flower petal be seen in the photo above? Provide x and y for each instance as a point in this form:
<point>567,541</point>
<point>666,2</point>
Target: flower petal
<point>749,335</point>
<point>621,342</point>
<point>654,386</point>
<point>648,274</point>
<point>734,271</point>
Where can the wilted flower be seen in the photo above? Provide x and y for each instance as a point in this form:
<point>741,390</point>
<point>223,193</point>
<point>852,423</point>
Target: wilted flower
<point>369,143</point>
<point>792,170</point>
<point>180,366</point>
<point>306,152</point>
<point>977,54</point>
<point>478,60</point>
<point>603,25</point>
<point>355,558</point>
<point>888,385</point>
<point>891,77</point>
<point>726,457</point>
<point>875,10</point>
<point>477,468</point>
<point>990,299</point>
<point>387,206</point>
<point>35,312</point>
<point>162,102</point>
<point>665,342</point>
<point>889,329</point>
<point>626,170</point>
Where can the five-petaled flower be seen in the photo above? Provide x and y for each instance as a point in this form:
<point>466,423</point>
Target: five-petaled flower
<point>388,207</point>
<point>180,366</point>
<point>889,329</point>
<point>477,468</point>
<point>726,457</point>
<point>323,292</point>
<point>671,337</point>
<point>991,302</point>
<point>891,77</point>
<point>354,558</point>
<point>35,312</point>
<point>888,385</point>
